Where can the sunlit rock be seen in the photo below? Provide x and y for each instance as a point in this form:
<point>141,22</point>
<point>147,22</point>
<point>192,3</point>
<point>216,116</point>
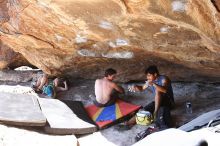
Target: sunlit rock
<point>83,38</point>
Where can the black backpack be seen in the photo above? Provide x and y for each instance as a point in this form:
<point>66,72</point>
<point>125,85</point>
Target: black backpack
<point>163,121</point>
<point>145,133</point>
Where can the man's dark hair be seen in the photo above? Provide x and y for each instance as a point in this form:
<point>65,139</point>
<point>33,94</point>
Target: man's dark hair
<point>152,70</point>
<point>110,71</point>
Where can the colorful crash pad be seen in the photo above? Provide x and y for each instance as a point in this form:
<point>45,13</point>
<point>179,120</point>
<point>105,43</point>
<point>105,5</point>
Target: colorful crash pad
<point>106,116</point>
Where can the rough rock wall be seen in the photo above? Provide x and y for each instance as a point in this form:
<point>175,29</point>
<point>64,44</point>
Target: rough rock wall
<point>81,38</point>
<point>11,59</point>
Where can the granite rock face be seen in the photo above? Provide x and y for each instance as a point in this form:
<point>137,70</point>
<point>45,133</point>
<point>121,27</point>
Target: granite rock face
<point>82,38</point>
<point>11,59</point>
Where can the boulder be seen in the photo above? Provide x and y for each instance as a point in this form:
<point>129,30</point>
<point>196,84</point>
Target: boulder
<point>17,76</point>
<point>82,38</point>
<point>11,136</point>
<point>10,58</point>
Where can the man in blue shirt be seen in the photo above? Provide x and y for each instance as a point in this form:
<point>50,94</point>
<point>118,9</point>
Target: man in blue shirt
<point>161,87</point>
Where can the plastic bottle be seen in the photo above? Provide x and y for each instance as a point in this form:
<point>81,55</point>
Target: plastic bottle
<point>188,108</point>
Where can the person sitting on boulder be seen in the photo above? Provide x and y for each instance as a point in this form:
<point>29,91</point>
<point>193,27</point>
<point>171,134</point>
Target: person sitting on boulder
<point>58,84</point>
<point>55,86</point>
<point>160,86</point>
<point>106,90</point>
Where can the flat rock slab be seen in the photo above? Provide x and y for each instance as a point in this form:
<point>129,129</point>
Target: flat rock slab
<point>78,108</point>
<point>17,89</point>
<point>201,120</point>
<point>96,139</point>
<point>20,109</point>
<point>10,136</point>
<point>170,137</point>
<point>62,120</point>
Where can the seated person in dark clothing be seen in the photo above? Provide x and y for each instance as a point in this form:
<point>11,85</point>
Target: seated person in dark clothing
<point>161,87</point>
<point>106,89</point>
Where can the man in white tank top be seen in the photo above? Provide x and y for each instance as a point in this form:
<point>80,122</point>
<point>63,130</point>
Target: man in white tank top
<point>105,89</point>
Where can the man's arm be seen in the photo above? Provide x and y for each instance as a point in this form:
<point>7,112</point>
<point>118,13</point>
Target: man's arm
<point>62,88</point>
<point>164,86</point>
<point>140,88</point>
<point>118,88</point>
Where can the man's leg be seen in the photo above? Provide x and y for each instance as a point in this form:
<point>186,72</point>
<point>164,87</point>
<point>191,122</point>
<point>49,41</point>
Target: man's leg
<point>163,119</point>
<point>166,101</point>
<point>37,83</point>
<point>150,107</point>
<point>38,87</point>
<point>158,99</point>
<point>41,82</point>
<point>132,121</point>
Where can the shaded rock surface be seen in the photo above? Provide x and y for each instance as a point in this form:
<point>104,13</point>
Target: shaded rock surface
<point>17,76</point>
<point>82,38</point>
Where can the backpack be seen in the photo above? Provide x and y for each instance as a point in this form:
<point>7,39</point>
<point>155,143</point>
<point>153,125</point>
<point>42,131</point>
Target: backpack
<point>145,133</point>
<point>163,121</point>
<point>49,90</point>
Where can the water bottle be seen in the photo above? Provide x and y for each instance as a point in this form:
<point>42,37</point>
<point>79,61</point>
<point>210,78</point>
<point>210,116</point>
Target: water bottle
<point>188,108</point>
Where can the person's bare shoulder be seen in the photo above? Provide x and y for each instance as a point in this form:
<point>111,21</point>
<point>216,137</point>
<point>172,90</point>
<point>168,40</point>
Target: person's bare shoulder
<point>98,80</point>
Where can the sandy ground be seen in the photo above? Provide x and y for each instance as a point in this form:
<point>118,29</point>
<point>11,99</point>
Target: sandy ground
<point>204,97</point>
